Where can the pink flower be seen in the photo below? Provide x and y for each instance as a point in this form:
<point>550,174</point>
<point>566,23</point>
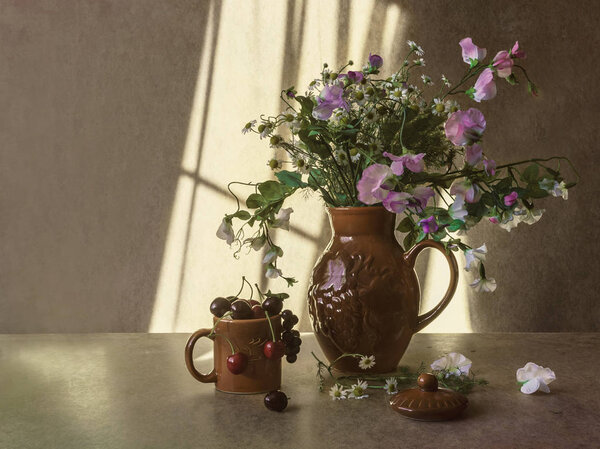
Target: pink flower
<point>516,53</point>
<point>490,167</point>
<point>370,186</point>
<point>465,188</point>
<point>414,162</point>
<point>465,127</point>
<point>503,64</point>
<point>485,87</point>
<point>494,220</point>
<point>396,202</point>
<point>511,199</point>
<point>331,97</point>
<point>428,225</point>
<point>421,195</point>
<point>473,155</point>
<point>470,51</point>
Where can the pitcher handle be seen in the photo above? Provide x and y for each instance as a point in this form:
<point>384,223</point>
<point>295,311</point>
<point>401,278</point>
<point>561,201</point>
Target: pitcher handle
<point>189,358</point>
<point>411,256</point>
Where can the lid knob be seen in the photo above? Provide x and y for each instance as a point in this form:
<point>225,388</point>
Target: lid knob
<point>427,382</point>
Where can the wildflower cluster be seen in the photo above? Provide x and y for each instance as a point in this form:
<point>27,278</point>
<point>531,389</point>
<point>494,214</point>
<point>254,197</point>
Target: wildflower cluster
<point>361,139</point>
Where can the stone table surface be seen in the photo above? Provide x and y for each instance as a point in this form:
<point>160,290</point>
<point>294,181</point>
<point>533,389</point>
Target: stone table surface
<point>133,391</point>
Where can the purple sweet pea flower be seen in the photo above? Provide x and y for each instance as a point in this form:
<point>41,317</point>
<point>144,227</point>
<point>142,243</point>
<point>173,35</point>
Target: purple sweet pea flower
<point>429,225</point>
<point>470,51</point>
<point>516,53</point>
<point>396,202</point>
<point>375,61</point>
<point>355,77</point>
<point>414,162</point>
<point>490,167</point>
<point>465,127</point>
<point>503,64</point>
<point>331,97</point>
<point>511,199</point>
<point>485,87</point>
<point>421,196</point>
<point>370,187</point>
<point>473,155</point>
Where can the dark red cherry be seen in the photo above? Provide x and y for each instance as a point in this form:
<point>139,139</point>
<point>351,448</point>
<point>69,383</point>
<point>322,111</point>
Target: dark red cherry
<point>286,314</point>
<point>274,350</point>
<point>272,305</point>
<point>219,307</point>
<point>258,311</point>
<point>253,302</point>
<point>276,400</point>
<point>237,363</point>
<point>240,310</point>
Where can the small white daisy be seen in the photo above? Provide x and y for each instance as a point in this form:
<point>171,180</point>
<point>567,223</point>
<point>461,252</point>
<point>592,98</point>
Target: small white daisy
<point>248,127</point>
<point>337,115</point>
<point>366,362</point>
<point>399,93</point>
<point>274,164</point>
<point>370,116</point>
<point>266,130</point>
<point>358,390</point>
<point>337,392</point>
<point>354,154</point>
<point>426,79</point>
<point>340,156</point>
<point>438,107</point>
<point>419,62</point>
<point>301,165</point>
<point>416,48</point>
<point>391,385</point>
<point>452,106</point>
<point>445,81</point>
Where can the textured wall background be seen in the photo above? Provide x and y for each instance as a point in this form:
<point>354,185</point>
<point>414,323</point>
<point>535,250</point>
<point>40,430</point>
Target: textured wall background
<point>120,126</point>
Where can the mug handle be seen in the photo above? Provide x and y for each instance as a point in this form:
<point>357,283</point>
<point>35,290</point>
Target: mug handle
<point>189,358</point>
<point>411,256</point>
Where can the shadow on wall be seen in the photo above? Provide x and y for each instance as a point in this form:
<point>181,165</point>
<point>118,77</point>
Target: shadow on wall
<point>96,100</point>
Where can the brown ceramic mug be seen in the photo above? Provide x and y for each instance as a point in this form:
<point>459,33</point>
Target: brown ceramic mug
<point>247,336</point>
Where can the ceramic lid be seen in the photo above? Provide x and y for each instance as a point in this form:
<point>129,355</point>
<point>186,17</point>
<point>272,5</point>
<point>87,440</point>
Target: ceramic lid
<point>428,402</point>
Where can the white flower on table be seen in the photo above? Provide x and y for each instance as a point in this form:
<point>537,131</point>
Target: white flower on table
<point>454,364</point>
<point>391,385</point>
<point>337,392</point>
<point>358,390</point>
<point>366,362</point>
<point>535,377</point>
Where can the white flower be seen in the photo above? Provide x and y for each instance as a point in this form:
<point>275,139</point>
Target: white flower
<point>282,220</point>
<point>295,124</point>
<point>509,223</point>
<point>273,273</point>
<point>529,216</point>
<point>560,190</point>
<point>370,116</point>
<point>354,155</point>
<point>417,49</point>
<point>474,257</point>
<point>358,390</point>
<point>420,62</point>
<point>487,285</point>
<point>248,127</point>
<point>337,115</point>
<point>534,378</point>
<point>225,232</point>
<point>426,79</point>
<point>337,392</point>
<point>454,364</point>
<point>301,166</point>
<point>457,210</point>
<point>266,131</point>
<point>340,156</point>
<point>399,93</point>
<point>391,385</point>
<point>452,106</point>
<point>274,164</point>
<point>438,107</point>
<point>270,256</point>
<point>366,362</point>
<point>445,81</point>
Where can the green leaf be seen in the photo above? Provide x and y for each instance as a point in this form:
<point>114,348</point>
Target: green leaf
<point>255,200</point>
<point>271,190</point>
<point>536,192</point>
<point>473,62</point>
<point>242,214</point>
<point>306,104</point>
<point>313,144</point>
<point>531,173</point>
<point>512,79</point>
<point>421,236</point>
<point>470,92</point>
<point>455,225</point>
<point>409,240</point>
<point>405,225</point>
<point>290,179</point>
<point>313,133</point>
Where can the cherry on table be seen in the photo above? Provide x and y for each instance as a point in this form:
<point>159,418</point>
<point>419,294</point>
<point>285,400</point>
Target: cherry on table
<point>273,305</point>
<point>219,307</point>
<point>276,400</point>
<point>274,350</point>
<point>291,358</point>
<point>237,363</point>
<point>240,310</point>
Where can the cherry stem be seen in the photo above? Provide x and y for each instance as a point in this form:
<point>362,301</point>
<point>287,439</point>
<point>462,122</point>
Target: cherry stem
<point>270,325</point>
<point>260,294</point>
<point>228,341</point>
<point>226,314</point>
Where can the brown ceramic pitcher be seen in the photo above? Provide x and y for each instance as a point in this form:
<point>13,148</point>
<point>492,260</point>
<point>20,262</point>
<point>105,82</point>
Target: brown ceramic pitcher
<point>248,336</point>
<point>364,296</point>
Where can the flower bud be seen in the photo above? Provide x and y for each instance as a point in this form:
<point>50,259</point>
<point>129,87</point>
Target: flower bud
<point>359,95</point>
<point>333,76</point>
<point>370,91</point>
<point>261,127</point>
<point>289,117</point>
<point>274,163</point>
<point>275,140</point>
<point>351,62</point>
<point>353,151</point>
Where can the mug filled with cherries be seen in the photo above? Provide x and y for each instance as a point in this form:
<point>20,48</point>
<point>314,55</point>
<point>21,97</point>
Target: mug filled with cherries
<point>250,338</point>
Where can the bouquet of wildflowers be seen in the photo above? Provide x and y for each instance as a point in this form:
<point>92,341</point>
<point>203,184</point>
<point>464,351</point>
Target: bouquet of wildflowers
<point>361,139</point>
